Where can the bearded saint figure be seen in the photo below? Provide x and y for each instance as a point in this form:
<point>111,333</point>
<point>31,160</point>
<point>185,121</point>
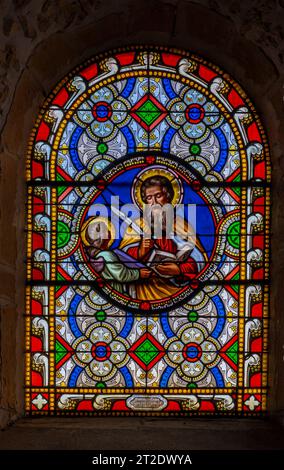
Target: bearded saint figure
<point>162,254</point>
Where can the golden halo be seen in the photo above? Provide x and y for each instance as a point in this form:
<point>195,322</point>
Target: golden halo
<point>93,220</point>
<point>156,170</point>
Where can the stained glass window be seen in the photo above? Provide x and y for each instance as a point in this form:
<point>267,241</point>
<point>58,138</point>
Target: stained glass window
<point>121,320</point>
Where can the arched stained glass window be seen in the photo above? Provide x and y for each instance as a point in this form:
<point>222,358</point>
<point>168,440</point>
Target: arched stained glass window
<point>123,315</point>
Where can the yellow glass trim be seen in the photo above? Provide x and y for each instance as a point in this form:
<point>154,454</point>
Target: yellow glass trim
<point>243,169</point>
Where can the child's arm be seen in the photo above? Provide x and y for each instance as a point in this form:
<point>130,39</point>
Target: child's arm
<point>116,270</point>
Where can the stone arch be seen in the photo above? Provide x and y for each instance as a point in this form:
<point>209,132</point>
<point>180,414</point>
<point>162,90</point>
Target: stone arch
<point>167,25</point>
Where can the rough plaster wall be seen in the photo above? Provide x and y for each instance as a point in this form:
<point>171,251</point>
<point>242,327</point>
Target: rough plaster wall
<point>42,40</point>
<point>25,23</point>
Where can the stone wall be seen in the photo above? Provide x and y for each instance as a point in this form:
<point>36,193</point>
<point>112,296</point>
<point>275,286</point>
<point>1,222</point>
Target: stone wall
<point>42,40</point>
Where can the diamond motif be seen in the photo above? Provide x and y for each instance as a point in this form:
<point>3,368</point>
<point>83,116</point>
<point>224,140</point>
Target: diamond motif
<point>148,112</point>
<point>230,352</point>
<point>146,351</point>
<point>62,351</point>
<point>39,401</point>
<point>252,403</point>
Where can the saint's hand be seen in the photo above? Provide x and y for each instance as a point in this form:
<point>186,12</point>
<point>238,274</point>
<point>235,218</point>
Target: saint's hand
<point>145,246</point>
<point>145,273</point>
<point>171,269</point>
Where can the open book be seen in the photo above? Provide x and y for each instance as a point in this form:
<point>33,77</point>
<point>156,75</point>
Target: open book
<point>159,257</point>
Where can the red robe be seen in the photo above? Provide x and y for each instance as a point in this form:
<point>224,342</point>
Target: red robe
<point>188,268</point>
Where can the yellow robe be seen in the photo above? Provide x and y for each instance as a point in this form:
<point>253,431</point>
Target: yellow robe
<point>158,288</point>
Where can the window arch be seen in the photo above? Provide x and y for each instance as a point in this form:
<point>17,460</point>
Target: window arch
<point>108,330</point>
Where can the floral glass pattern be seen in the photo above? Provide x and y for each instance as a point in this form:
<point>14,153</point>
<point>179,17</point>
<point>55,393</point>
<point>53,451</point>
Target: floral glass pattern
<point>100,338</point>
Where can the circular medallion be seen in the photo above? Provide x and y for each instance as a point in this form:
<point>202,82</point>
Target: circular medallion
<point>101,111</point>
<point>135,259</point>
